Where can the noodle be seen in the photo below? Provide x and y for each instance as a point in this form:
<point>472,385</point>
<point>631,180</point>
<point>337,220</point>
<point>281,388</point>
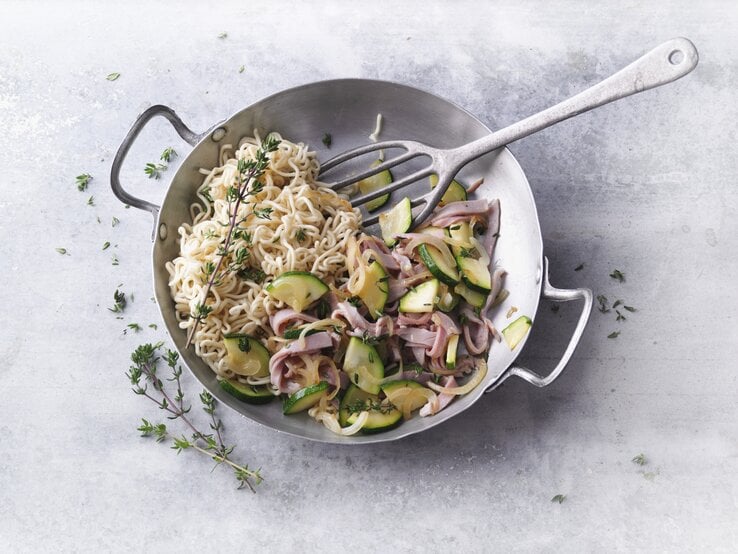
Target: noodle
<point>308,229</point>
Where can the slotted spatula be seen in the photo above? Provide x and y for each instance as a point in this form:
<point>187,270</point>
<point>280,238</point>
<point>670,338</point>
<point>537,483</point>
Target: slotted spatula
<point>665,63</point>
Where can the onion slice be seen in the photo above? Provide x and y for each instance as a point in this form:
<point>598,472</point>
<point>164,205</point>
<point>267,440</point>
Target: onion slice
<point>466,388</point>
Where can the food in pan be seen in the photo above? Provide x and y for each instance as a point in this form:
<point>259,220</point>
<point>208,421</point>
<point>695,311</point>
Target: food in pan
<point>283,294</point>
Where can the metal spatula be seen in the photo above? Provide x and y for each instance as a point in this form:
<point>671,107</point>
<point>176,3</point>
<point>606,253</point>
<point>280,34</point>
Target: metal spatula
<point>665,63</point>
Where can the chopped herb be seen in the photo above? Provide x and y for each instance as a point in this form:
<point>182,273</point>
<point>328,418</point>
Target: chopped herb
<point>354,301</point>
<point>112,76</point>
<point>83,180</point>
<point>358,406</point>
<point>322,309</point>
<point>241,69</point>
<point>327,140</point>
<point>617,303</point>
<point>454,228</point>
<point>630,308</point>
<point>114,260</point>
<point>205,193</point>
<point>244,345</point>
<point>300,235</point>
<point>154,170</point>
<point>559,498</point>
<point>469,253</point>
<point>119,297</point>
<point>153,326</point>
<point>223,35</point>
<point>602,299</point>
<point>252,274</point>
<point>613,335</point>
<point>356,378</point>
<point>263,213</point>
<point>168,154</point>
<point>580,267</point>
<point>106,245</point>
<point>115,221</point>
<point>98,219</point>
<point>639,460</point>
<point>620,316</point>
<point>91,201</point>
<point>617,274</point>
<point>135,327</point>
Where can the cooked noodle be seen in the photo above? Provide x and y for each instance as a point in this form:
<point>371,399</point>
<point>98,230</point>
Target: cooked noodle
<point>300,210</point>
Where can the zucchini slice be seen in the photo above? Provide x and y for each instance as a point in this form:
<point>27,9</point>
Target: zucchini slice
<point>253,394</point>
<point>474,298</point>
<point>363,365</point>
<point>396,221</point>
<point>447,299</point>
<point>378,181</point>
<point>305,398</point>
<point>454,193</point>
<point>515,332</point>
<point>421,298</point>
<point>383,419</point>
<point>246,355</point>
<point>407,396</point>
<point>297,289</point>
<point>474,271</point>
<point>451,349</point>
<point>375,291</point>
<point>437,265</point>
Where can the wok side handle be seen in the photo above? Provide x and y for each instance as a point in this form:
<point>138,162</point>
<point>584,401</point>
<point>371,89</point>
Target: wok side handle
<point>183,131</point>
<point>557,295</point>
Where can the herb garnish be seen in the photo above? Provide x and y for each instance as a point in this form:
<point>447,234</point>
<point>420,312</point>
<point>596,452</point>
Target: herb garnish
<point>241,69</point>
<point>83,180</point>
<point>630,308</point>
<point>620,316</point>
<point>640,460</point>
<point>247,186</point>
<point>327,140</point>
<point>469,253</point>
<point>143,373</point>
<point>369,405</point>
<point>300,235</point>
<point>114,260</point>
<point>617,274</point>
<point>613,335</point>
<point>135,327</point>
<point>602,299</point>
<point>106,245</point>
<point>91,201</point>
<point>223,35</point>
<point>559,498</point>
<point>112,76</point>
<point>580,267</point>
<point>168,154</point>
<point>153,326</point>
<point>120,302</point>
<point>154,170</point>
<point>61,251</point>
<point>115,222</point>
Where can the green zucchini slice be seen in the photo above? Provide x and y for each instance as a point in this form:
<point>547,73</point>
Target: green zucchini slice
<point>378,181</point>
<point>305,399</point>
<point>382,419</point>
<point>253,394</point>
<point>375,290</point>
<point>473,298</point>
<point>420,299</point>
<point>454,193</point>
<point>396,221</point>
<point>297,289</point>
<point>437,264</point>
<point>246,356</point>
<point>363,364</point>
<point>515,332</point>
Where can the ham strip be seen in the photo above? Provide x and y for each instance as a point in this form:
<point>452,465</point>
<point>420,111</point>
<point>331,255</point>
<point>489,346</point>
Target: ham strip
<point>278,367</point>
<point>285,318</point>
<point>415,336</point>
<point>476,333</point>
<point>457,211</point>
<point>381,252</point>
<point>359,325</point>
<point>441,401</point>
<point>493,227</point>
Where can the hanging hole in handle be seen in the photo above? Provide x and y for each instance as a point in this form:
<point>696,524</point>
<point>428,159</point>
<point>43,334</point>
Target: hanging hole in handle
<point>218,134</point>
<point>676,57</point>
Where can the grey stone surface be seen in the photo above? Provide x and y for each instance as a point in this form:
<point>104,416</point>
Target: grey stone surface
<point>646,186</point>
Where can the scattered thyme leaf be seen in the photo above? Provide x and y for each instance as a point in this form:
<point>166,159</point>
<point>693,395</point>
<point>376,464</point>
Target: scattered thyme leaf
<point>559,498</point>
<point>620,317</point>
<point>91,201</point>
<point>83,180</point>
<point>119,297</point>
<point>613,335</point>
<point>618,275</point>
<point>241,69</point>
<point>115,222</point>
<point>640,460</point>
<point>135,327</point>
<point>106,245</point>
<point>602,299</point>
<point>114,260</point>
<point>154,170</point>
<point>630,308</point>
<point>113,76</point>
<point>300,235</point>
<point>153,326</point>
<point>580,267</point>
<point>224,34</point>
<point>169,154</point>
<point>617,303</point>
<point>327,140</point>
<point>61,251</point>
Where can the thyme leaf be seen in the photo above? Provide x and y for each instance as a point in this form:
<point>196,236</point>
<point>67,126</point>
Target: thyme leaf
<point>618,275</point>
<point>83,180</point>
<point>613,335</point>
<point>559,498</point>
<point>154,170</point>
<point>168,154</point>
<point>113,76</point>
<point>327,140</point>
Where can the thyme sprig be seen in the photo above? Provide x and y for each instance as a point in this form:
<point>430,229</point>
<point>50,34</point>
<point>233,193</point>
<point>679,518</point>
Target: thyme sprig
<point>247,186</point>
<point>146,382</point>
<point>83,180</point>
<point>154,170</point>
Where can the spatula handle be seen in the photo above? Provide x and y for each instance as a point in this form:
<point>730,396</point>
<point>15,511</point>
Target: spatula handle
<point>666,63</point>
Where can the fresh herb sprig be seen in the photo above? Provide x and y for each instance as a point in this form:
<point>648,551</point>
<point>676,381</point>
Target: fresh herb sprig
<point>82,181</point>
<point>154,170</point>
<point>247,186</point>
<point>119,297</point>
<point>146,382</point>
<point>168,154</point>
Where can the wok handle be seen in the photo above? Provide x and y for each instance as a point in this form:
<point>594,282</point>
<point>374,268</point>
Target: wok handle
<point>182,130</point>
<point>557,295</point>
